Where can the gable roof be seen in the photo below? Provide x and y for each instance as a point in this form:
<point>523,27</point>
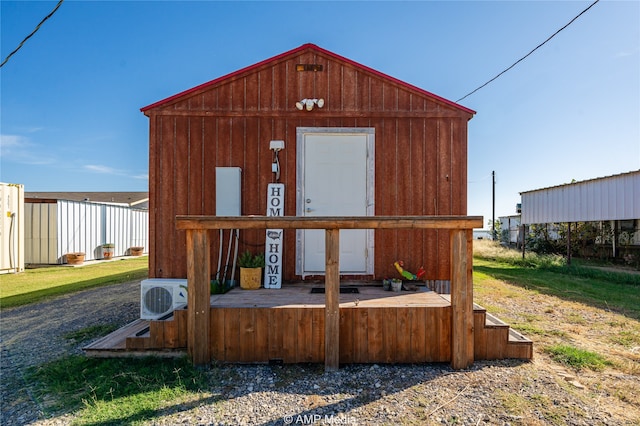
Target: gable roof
<point>298,50</point>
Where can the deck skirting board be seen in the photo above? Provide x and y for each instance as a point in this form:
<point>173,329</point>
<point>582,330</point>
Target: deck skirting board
<point>289,327</point>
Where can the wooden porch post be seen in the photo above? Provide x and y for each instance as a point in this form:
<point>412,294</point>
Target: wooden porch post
<point>332,300</point>
<point>198,296</point>
<point>461,299</point>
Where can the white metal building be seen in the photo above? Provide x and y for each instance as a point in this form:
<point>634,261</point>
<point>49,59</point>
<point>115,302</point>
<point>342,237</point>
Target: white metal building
<point>510,224</point>
<point>54,228</point>
<point>613,198</point>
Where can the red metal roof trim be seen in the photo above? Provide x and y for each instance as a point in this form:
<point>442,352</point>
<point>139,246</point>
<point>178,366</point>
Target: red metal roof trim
<point>297,50</point>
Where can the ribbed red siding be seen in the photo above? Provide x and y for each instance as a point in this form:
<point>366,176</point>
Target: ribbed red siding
<point>421,154</point>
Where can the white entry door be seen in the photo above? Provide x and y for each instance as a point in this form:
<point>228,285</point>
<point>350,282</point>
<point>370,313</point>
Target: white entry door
<point>336,180</point>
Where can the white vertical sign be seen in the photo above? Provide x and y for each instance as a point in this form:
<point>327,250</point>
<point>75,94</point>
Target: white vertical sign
<point>273,241</point>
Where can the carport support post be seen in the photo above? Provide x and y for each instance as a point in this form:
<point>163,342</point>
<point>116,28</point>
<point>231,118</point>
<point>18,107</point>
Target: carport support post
<point>332,300</point>
<point>461,298</point>
<point>198,296</point>
<point>568,243</point>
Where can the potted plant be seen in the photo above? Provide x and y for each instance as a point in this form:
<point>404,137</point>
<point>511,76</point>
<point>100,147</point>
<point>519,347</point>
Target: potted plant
<point>396,284</point>
<point>386,284</point>
<point>136,251</point>
<point>75,258</point>
<point>107,250</point>
<point>250,270</point>
<point>218,287</point>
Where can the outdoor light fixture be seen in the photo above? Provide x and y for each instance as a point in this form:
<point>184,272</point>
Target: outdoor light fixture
<point>276,146</point>
<point>309,103</point>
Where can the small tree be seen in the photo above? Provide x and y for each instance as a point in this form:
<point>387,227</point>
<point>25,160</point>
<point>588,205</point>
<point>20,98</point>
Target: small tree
<point>495,234</point>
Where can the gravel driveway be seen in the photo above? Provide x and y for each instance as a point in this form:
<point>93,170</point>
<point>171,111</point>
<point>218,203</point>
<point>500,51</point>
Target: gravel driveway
<point>490,393</point>
<point>33,334</point>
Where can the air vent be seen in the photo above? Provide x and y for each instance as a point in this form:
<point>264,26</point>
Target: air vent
<point>308,67</point>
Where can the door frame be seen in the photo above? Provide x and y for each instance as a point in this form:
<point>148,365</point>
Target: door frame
<point>301,133</point>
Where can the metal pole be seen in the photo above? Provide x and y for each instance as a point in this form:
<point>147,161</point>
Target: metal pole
<point>493,215</point>
<point>569,244</point>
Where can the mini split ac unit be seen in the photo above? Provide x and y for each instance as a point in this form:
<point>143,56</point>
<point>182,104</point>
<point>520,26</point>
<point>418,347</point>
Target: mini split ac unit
<point>159,297</point>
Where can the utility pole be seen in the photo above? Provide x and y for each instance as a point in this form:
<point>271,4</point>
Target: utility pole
<point>493,217</point>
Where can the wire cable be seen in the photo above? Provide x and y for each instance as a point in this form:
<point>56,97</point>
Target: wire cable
<point>525,56</point>
<point>32,33</point>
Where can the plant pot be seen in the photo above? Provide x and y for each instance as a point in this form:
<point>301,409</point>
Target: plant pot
<point>75,258</point>
<point>107,252</point>
<point>250,278</point>
<point>396,285</point>
<point>136,251</point>
<point>386,284</point>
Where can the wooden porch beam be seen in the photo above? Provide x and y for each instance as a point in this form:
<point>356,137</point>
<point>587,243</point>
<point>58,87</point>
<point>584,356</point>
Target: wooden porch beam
<point>461,299</point>
<point>332,300</point>
<point>315,222</point>
<point>198,296</point>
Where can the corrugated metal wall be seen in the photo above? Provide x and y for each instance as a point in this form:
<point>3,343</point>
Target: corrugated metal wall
<point>609,198</point>
<point>54,229</point>
<point>80,228</point>
<point>41,233</point>
<point>139,229</point>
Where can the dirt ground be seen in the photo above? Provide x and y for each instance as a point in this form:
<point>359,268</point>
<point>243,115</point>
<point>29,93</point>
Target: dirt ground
<point>549,320</point>
<point>539,392</point>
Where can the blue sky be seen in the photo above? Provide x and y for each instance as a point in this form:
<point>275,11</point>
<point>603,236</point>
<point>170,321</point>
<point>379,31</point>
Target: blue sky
<point>71,97</point>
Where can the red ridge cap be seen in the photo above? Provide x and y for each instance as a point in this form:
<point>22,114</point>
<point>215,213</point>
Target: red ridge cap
<point>294,51</point>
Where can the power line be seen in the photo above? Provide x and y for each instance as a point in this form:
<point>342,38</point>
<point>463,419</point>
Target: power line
<point>479,180</point>
<point>525,56</point>
<point>32,33</point>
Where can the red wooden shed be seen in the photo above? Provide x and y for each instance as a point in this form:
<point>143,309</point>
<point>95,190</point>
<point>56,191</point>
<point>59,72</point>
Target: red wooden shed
<point>377,164</point>
<point>370,146</point>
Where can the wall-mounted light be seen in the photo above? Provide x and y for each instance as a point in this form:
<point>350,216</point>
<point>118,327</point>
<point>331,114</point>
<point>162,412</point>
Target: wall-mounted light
<point>308,104</point>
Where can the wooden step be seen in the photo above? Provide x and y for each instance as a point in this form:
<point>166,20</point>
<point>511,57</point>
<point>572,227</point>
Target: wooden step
<point>116,340</point>
<point>169,333</point>
<point>115,345</point>
<point>494,339</point>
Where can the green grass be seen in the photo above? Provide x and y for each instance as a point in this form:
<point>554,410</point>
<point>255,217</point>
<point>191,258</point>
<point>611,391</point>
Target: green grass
<point>101,391</point>
<point>530,329</point>
<point>616,291</point>
<point>577,358</point>
<point>580,268</point>
<point>627,338</point>
<point>34,285</point>
<point>89,333</point>
<point>599,292</point>
<point>117,391</point>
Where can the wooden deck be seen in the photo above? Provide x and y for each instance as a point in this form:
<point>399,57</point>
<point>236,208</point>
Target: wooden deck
<point>287,325</point>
